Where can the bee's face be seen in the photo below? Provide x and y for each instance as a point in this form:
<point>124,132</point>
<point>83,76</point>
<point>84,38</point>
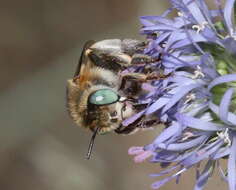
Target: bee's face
<point>106,110</point>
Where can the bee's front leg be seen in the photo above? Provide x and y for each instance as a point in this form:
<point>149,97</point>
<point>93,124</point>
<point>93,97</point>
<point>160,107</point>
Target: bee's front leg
<point>131,82</point>
<point>142,59</point>
<point>140,77</point>
<point>111,61</point>
<point>133,78</point>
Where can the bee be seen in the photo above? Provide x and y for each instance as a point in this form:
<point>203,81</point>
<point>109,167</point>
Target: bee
<point>94,97</point>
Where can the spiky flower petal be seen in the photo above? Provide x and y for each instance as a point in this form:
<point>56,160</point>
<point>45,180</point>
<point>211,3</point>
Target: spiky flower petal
<point>198,50</point>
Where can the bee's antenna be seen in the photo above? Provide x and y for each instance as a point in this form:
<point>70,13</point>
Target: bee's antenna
<point>90,148</point>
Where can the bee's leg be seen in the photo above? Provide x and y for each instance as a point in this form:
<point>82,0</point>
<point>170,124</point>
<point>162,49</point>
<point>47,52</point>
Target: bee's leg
<point>120,58</point>
<point>135,76</point>
<point>128,130</point>
<point>135,49</point>
<point>131,85</point>
<point>131,77</point>
<point>136,79</point>
<point>149,124</point>
<point>140,77</point>
<point>142,59</point>
<point>110,61</point>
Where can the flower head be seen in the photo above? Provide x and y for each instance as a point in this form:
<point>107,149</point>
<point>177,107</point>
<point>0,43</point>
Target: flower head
<point>197,101</point>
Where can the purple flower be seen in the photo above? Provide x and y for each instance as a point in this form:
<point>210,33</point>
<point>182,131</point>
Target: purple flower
<point>197,101</point>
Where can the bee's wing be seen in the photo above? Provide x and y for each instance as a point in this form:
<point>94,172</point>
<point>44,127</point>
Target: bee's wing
<point>111,54</point>
<point>108,54</point>
<point>106,61</point>
<point>82,57</point>
<point>108,46</point>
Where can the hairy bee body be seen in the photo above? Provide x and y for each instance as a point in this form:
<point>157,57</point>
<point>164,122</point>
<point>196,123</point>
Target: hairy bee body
<point>93,96</point>
<point>105,90</point>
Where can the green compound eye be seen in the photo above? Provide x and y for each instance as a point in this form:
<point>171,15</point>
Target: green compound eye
<point>103,97</point>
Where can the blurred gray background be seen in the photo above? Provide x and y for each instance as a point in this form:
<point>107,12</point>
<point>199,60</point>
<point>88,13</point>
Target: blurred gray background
<point>41,148</point>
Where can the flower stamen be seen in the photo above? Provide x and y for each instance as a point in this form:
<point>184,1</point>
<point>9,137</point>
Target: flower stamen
<point>200,27</point>
<point>225,136</point>
<point>189,98</point>
<point>198,73</point>
<point>187,135</point>
<point>180,14</point>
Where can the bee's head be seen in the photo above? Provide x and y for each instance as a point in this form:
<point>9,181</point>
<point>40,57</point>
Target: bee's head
<point>96,107</point>
<point>106,110</point>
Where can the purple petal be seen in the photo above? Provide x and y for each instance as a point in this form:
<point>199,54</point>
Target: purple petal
<point>183,146</point>
<point>221,153</point>
<point>160,102</point>
<point>180,6</point>
<point>199,123</point>
<point>162,37</point>
<point>158,27</point>
<point>202,154</point>
<point>133,118</point>
<point>232,165</point>
<point>168,11</point>
<point>135,150</point>
<point>164,172</point>
<point>197,109</point>
<point>203,178</point>
<point>195,11</point>
<point>222,79</point>
<point>228,10</point>
<point>166,134</point>
<point>215,13</point>
<point>181,157</point>
<point>152,46</point>
<point>211,36</point>
<point>195,38</point>
<point>146,20</point>
<point>205,10</point>
<point>175,37</point>
<point>148,87</point>
<point>208,66</point>
<point>157,105</point>
<point>164,156</point>
<point>230,45</point>
<point>160,183</point>
<point>224,105</point>
<point>180,94</point>
<point>181,79</point>
<point>179,22</point>
<point>143,156</point>
<point>231,117</point>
